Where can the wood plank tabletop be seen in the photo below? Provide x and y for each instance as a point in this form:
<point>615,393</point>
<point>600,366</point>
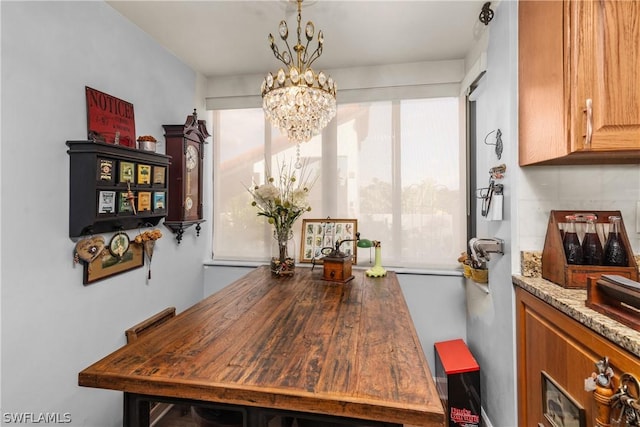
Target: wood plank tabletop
<point>299,344</point>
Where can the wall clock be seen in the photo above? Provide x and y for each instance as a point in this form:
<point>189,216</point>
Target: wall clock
<point>184,143</point>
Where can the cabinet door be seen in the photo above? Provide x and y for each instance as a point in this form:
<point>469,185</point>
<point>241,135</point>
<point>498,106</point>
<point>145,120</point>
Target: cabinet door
<point>566,350</point>
<point>541,86</point>
<point>569,52</point>
<point>606,67</point>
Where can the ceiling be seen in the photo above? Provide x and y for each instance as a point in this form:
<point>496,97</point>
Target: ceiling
<point>229,37</point>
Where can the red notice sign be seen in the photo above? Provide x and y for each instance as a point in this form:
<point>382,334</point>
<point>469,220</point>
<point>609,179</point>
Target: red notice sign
<point>110,119</point>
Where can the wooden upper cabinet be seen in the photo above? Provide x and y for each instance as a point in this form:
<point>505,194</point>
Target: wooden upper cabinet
<point>579,84</point>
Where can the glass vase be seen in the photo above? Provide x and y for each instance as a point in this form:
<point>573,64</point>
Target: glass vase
<point>283,250</point>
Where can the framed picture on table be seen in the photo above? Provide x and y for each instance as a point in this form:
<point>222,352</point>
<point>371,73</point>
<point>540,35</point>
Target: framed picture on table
<point>318,234</point>
<point>558,407</point>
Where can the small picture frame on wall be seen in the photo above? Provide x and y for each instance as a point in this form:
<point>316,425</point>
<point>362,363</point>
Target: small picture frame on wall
<point>107,265</point>
<point>159,173</point>
<point>318,234</point>
<point>558,407</point>
<point>107,202</point>
<point>144,174</point>
<point>144,201</point>
<point>159,201</point>
<point>124,205</point>
<point>127,170</point>
<point>105,170</point>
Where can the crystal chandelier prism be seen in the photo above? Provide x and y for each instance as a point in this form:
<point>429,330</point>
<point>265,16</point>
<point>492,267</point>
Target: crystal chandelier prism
<point>297,100</point>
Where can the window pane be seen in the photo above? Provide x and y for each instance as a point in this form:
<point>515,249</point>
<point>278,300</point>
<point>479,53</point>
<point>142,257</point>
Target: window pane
<point>238,161</point>
<point>364,166</point>
<point>413,206</point>
<point>432,211</point>
<point>239,233</point>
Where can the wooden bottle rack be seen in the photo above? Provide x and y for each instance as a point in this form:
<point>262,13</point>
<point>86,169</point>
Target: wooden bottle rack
<point>554,262</point>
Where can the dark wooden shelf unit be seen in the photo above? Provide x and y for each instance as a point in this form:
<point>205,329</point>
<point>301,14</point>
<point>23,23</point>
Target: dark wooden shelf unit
<point>86,185</point>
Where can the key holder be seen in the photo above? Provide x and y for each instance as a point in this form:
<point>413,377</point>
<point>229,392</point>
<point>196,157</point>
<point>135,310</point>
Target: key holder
<point>498,144</point>
<point>624,404</point>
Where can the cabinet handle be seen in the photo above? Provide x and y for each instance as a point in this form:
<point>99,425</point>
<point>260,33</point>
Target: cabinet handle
<point>587,140</point>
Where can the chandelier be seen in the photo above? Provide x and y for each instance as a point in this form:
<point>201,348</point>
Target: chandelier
<point>297,100</point>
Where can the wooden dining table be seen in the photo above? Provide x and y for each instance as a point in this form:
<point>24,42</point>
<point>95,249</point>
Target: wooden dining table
<point>291,347</point>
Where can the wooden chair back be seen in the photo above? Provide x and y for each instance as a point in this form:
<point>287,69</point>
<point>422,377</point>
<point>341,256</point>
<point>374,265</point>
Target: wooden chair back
<point>156,409</point>
<point>149,324</point>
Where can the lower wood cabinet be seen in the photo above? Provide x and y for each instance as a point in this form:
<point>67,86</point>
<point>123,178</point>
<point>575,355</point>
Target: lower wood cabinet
<point>550,341</point>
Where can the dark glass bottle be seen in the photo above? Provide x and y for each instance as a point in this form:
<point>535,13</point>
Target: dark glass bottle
<point>571,243</point>
<point>615,253</point>
<point>591,246</point>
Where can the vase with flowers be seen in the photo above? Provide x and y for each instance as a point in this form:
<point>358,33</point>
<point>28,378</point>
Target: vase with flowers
<point>283,199</point>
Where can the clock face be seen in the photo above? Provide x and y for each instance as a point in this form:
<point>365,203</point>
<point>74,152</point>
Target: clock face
<point>191,157</point>
<point>188,203</point>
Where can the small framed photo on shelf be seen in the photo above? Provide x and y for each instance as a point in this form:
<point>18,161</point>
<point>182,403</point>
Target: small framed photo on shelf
<point>106,202</point>
<point>318,234</point>
<point>105,170</point>
<point>159,201</point>
<point>127,170</point>
<point>558,407</point>
<point>159,175</point>
<point>144,174</point>
<point>124,206</point>
<point>144,201</point>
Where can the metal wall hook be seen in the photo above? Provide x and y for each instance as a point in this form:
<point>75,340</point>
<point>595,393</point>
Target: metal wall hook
<point>497,144</point>
<point>486,14</point>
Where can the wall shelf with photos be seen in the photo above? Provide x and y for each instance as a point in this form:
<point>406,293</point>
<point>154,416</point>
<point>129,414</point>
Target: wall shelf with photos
<point>113,188</point>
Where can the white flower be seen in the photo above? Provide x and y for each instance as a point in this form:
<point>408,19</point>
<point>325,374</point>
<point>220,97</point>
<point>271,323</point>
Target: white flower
<point>267,192</point>
<point>283,199</point>
<point>299,198</point>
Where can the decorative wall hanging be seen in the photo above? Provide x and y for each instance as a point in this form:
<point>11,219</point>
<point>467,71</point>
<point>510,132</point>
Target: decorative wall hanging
<point>148,241</point>
<point>185,144</point>
<point>89,249</point>
<point>114,188</point>
<point>109,119</point>
<point>486,14</point>
<point>119,244</point>
<point>324,233</point>
<point>107,265</point>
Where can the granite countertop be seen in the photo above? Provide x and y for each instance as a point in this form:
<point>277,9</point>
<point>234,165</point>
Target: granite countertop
<point>572,303</point>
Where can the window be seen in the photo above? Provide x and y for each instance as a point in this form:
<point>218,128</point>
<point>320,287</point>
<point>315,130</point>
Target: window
<point>395,166</point>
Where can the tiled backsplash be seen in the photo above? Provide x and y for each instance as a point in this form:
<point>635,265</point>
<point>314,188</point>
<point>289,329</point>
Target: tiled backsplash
<point>600,187</point>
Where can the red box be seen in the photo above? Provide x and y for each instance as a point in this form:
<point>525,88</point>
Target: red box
<point>458,383</point>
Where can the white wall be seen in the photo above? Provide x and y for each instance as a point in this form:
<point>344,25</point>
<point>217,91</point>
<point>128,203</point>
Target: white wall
<point>530,193</point>
<point>597,187</point>
<point>490,323</point>
<point>52,325</point>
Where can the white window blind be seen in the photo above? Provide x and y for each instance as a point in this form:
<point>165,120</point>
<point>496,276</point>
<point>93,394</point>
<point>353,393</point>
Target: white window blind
<point>395,166</point>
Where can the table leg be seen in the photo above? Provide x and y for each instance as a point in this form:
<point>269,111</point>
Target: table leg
<point>256,418</point>
<point>136,411</point>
